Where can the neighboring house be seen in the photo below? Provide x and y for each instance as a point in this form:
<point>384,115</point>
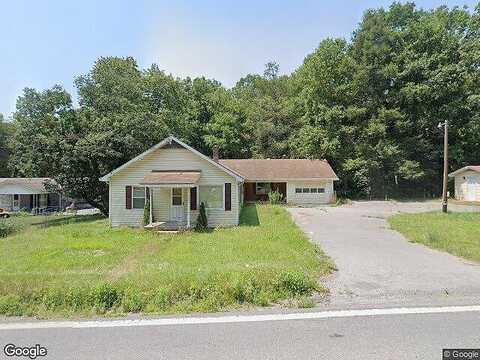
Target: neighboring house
<point>177,178</point>
<point>28,194</point>
<point>467,183</point>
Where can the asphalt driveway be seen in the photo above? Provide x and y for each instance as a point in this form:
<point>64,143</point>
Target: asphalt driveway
<point>378,266</point>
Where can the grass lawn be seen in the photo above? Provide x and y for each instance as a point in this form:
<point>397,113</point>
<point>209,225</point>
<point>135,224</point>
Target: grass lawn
<point>456,233</point>
<point>79,266</point>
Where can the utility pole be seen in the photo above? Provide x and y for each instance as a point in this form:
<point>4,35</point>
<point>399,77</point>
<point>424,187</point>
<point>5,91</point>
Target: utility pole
<point>445,165</point>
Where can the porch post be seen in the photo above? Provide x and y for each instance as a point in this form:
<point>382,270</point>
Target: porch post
<point>188,207</point>
<point>151,207</point>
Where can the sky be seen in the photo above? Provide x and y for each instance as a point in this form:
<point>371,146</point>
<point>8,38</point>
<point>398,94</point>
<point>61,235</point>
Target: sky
<point>48,42</point>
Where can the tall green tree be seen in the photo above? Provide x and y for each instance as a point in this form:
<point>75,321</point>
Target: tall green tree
<point>5,133</point>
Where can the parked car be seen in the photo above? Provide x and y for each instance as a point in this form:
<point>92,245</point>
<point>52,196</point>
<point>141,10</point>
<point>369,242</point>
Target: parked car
<point>4,213</point>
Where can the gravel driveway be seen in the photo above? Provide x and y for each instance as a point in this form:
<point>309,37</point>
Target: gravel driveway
<point>378,266</point>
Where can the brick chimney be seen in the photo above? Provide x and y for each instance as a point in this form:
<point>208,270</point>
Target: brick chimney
<point>215,153</point>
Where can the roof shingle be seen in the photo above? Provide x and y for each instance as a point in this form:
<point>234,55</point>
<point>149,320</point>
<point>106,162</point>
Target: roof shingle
<point>280,169</point>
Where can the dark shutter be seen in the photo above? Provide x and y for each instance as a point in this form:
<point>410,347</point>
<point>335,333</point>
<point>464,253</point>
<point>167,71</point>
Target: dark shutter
<point>254,188</point>
<point>193,198</point>
<point>128,197</point>
<point>147,193</point>
<point>228,196</point>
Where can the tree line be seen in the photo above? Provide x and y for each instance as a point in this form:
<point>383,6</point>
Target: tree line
<point>370,105</point>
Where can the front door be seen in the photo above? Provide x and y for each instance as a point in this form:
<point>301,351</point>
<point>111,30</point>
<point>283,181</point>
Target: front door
<point>470,188</point>
<point>176,208</point>
<point>16,202</point>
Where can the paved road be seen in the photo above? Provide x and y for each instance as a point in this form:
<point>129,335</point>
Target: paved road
<point>378,266</point>
<point>400,337</point>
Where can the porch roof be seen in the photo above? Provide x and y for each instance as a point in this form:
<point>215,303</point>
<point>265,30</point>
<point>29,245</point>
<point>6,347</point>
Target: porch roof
<point>171,177</point>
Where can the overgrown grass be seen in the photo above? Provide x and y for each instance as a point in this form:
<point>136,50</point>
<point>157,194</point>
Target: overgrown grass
<point>85,268</point>
<point>456,233</point>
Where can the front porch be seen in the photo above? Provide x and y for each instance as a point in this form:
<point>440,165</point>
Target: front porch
<point>35,203</point>
<point>172,199</point>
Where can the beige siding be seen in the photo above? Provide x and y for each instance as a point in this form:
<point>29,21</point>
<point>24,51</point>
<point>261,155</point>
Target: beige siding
<point>310,198</point>
<point>169,159</point>
<point>461,185</point>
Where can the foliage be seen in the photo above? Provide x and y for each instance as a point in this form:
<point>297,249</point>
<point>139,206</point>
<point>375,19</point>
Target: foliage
<point>146,211</point>
<point>5,133</point>
<point>81,270</point>
<point>370,105</point>
<point>7,227</point>
<point>456,233</point>
<point>275,197</point>
<point>202,221</point>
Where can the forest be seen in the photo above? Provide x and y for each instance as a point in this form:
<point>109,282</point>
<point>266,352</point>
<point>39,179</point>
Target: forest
<point>369,104</point>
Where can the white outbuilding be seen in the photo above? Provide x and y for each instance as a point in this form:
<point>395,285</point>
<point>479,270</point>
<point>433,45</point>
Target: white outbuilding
<point>467,183</point>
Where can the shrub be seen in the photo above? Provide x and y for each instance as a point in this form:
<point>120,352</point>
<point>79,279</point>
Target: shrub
<point>106,296</point>
<point>6,228</point>
<point>202,222</point>
<point>275,197</point>
<point>146,212</point>
<point>11,305</point>
<point>295,283</point>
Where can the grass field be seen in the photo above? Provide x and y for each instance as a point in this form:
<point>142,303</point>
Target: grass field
<point>456,233</point>
<point>79,266</point>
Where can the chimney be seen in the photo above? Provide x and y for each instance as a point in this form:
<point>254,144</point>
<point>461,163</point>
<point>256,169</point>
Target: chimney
<point>215,153</point>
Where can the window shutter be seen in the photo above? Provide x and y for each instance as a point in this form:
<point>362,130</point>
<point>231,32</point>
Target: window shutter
<point>228,196</point>
<point>128,197</point>
<point>193,198</point>
<point>147,193</point>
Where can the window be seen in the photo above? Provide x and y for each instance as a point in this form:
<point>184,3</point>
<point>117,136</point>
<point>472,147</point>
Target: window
<point>321,190</point>
<point>211,196</point>
<point>263,188</point>
<point>298,190</point>
<point>138,197</point>
<point>176,196</point>
<point>306,190</point>
<point>313,190</point>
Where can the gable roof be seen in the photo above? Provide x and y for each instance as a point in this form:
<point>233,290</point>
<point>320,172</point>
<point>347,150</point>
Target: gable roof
<point>465,168</point>
<point>33,185</point>
<point>281,169</point>
<point>169,140</point>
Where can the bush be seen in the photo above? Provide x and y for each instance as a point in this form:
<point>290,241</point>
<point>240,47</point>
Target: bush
<point>11,305</point>
<point>295,283</point>
<point>275,197</point>
<point>146,212</point>
<point>106,296</point>
<point>6,228</point>
<point>202,222</point>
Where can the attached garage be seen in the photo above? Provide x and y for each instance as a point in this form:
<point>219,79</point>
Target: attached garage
<point>467,183</point>
<point>300,181</point>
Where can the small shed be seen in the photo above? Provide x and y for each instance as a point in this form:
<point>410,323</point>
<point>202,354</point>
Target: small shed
<point>467,183</point>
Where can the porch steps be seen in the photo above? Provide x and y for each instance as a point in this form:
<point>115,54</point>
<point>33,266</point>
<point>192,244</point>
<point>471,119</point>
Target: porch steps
<point>154,225</point>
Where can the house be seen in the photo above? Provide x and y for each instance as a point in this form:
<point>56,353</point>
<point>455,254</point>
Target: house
<point>29,194</point>
<point>176,178</point>
<point>467,183</point>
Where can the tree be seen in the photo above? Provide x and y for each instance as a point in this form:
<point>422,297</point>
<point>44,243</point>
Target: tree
<point>5,133</point>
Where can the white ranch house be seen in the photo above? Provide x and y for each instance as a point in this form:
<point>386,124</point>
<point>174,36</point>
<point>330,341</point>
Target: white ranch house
<point>177,178</point>
<point>28,194</point>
